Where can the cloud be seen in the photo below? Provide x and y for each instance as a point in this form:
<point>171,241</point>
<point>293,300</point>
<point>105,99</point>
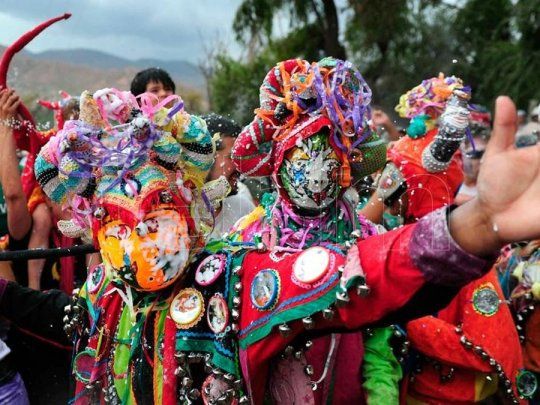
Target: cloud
<point>165,29</point>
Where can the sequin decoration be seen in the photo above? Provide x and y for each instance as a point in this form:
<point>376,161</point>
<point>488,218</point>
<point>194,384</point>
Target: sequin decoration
<point>210,269</point>
<point>265,289</point>
<point>217,314</point>
<point>187,308</point>
<point>485,300</point>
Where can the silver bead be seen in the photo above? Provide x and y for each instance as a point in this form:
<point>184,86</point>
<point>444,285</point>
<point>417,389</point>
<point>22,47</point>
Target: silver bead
<point>342,299</point>
<point>216,371</point>
<point>180,372</point>
<point>235,314</point>
<point>187,382</point>
<point>363,290</point>
<point>284,330</point>
<point>308,344</point>
<point>308,322</point>
<point>238,286</point>
<point>309,370</point>
<point>328,313</point>
<point>243,400</point>
<point>236,301</point>
<point>194,393</point>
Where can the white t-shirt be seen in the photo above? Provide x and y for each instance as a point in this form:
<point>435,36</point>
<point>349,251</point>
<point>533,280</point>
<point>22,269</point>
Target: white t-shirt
<point>234,207</point>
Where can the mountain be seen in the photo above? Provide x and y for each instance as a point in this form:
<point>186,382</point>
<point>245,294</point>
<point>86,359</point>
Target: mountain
<point>183,71</point>
<point>43,74</point>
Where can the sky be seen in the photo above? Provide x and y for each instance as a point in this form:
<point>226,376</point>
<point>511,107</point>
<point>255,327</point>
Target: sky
<point>132,29</point>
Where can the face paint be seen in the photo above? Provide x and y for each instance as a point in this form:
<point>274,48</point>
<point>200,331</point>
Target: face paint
<point>150,256</point>
<point>309,173</point>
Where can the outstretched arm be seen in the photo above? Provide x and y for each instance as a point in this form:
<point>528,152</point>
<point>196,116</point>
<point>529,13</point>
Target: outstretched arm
<point>19,220</point>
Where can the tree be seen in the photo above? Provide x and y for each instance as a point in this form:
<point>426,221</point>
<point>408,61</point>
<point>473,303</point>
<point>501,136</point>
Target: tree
<point>255,19</point>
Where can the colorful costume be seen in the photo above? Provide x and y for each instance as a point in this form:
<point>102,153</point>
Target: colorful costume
<point>427,162</point>
<point>158,323</point>
<point>524,264</point>
<point>465,352</point>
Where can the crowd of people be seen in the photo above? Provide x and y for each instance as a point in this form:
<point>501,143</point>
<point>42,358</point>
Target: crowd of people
<point>319,254</point>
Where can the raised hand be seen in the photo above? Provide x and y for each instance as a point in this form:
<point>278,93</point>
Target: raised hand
<point>9,102</point>
<point>507,208</point>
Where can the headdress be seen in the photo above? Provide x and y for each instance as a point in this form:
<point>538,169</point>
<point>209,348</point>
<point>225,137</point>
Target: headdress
<point>119,161</point>
<point>299,99</point>
<point>428,158</point>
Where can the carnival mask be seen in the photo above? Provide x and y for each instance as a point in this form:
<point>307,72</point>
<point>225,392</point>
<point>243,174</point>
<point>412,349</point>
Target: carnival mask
<point>309,173</point>
<point>151,255</point>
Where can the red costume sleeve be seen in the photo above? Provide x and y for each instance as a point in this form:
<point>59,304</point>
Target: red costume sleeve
<point>399,267</point>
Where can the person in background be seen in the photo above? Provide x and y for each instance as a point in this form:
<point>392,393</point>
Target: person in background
<point>39,205</point>
<point>155,81</point>
<point>15,220</point>
<point>239,202</point>
<point>472,155</point>
<point>383,123</point>
<point>50,382</point>
<point>531,127</point>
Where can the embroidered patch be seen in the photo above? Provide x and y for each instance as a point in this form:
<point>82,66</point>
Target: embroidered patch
<point>187,308</point>
<point>527,384</point>
<point>214,388</point>
<point>95,279</point>
<point>210,269</point>
<point>485,300</point>
<point>310,266</point>
<point>217,314</point>
<point>265,289</point>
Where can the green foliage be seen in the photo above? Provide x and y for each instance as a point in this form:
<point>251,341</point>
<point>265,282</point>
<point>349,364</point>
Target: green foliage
<point>493,45</point>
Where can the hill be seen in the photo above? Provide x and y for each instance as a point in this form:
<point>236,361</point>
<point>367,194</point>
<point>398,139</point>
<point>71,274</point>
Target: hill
<point>42,75</point>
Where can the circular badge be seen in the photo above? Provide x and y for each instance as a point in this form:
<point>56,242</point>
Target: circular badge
<point>95,279</point>
<point>311,265</point>
<point>217,314</point>
<point>210,269</point>
<point>486,300</point>
<point>187,308</point>
<point>265,288</point>
<point>214,388</point>
<point>526,383</point>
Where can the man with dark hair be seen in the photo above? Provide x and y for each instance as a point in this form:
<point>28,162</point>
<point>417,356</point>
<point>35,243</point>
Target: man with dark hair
<point>239,202</point>
<point>153,80</point>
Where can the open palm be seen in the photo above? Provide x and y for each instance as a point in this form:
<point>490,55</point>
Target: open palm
<point>509,180</point>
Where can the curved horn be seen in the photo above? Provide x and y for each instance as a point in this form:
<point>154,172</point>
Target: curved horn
<point>17,46</point>
<point>453,126</point>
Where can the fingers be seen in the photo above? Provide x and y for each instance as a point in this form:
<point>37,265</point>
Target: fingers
<point>13,102</point>
<point>504,126</point>
<point>9,102</point>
